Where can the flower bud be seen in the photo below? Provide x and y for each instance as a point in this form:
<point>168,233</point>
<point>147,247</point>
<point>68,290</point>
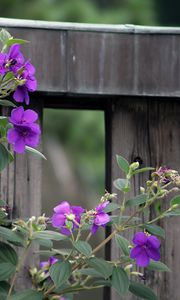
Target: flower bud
<point>134,166</point>
<point>142,190</point>
<point>174,206</point>
<point>42,220</point>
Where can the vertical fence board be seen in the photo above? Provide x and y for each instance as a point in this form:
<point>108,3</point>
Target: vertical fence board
<point>20,187</point>
<point>149,131</point>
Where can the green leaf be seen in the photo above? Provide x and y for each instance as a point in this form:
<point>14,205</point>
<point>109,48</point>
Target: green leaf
<point>101,266</point>
<point>155,229</point>
<point>45,243</point>
<point>139,199</point>
<point>142,291</point>
<point>83,247</point>
<point>89,272</point>
<point>13,41</point>
<point>4,36</point>
<point>7,254</point>
<point>123,244</point>
<point>142,170</point>
<point>120,280</point>
<point>4,288</point>
<point>111,207</point>
<point>122,163</point>
<point>6,270</point>
<point>11,236</point>
<point>27,295</point>
<point>7,103</point>
<point>49,235</point>
<point>102,282</point>
<point>122,184</point>
<point>3,121</point>
<point>158,266</point>
<point>175,200</point>
<point>4,157</point>
<point>35,152</point>
<point>8,261</point>
<point>60,272</point>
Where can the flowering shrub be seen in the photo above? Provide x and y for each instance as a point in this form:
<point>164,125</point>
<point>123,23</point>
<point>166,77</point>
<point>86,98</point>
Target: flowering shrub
<point>66,272</point>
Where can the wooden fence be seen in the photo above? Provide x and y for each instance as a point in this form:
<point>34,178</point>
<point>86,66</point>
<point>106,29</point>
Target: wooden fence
<point>132,73</point>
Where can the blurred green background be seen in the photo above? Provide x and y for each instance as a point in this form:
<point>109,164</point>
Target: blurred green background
<point>74,140</point>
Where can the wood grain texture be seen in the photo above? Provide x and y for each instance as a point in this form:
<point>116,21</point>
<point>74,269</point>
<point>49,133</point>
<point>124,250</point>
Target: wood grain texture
<point>104,60</point>
<point>20,187</point>
<point>149,130</point>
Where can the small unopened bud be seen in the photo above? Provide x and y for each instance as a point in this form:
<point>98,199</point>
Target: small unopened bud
<point>33,272</point>
<point>70,217</point>
<point>42,220</point>
<point>134,166</point>
<point>163,192</point>
<point>142,190</point>
<point>137,273</point>
<point>128,267</point>
<point>69,224</point>
<point>32,219</point>
<point>174,206</point>
<point>148,182</point>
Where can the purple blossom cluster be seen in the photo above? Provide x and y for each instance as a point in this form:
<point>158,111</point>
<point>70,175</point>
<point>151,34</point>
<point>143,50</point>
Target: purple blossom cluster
<point>66,216</point>
<point>24,71</point>
<point>24,132</point>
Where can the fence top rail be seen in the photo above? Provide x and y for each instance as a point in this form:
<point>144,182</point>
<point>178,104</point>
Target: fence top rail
<point>122,28</point>
<point>100,60</point>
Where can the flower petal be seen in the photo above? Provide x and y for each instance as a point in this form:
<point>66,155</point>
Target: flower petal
<point>101,218</point>
<point>153,241</point>
<point>143,260</point>
<point>101,206</point>
<point>12,135</point>
<point>30,116</point>
<point>140,238</point>
<point>63,208</point>
<point>94,229</point>
<point>153,253</point>
<point>17,115</point>
<point>19,146</point>
<point>58,220</point>
<point>65,231</point>
<point>31,84</point>
<point>77,210</point>
<point>19,94</point>
<point>136,251</point>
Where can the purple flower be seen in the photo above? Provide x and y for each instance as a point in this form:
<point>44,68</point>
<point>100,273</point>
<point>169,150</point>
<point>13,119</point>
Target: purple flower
<point>29,80</point>
<point>25,131</point>
<point>64,213</point>
<point>146,247</point>
<point>100,217</point>
<point>45,265</point>
<point>8,61</point>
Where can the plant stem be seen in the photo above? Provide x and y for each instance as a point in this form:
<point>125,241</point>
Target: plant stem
<point>105,241</point>
<point>18,267</point>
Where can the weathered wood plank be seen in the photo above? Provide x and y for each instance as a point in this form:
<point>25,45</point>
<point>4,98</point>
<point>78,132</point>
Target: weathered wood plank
<point>102,60</point>
<point>123,28</point>
<point>149,130</point>
<point>20,187</point>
